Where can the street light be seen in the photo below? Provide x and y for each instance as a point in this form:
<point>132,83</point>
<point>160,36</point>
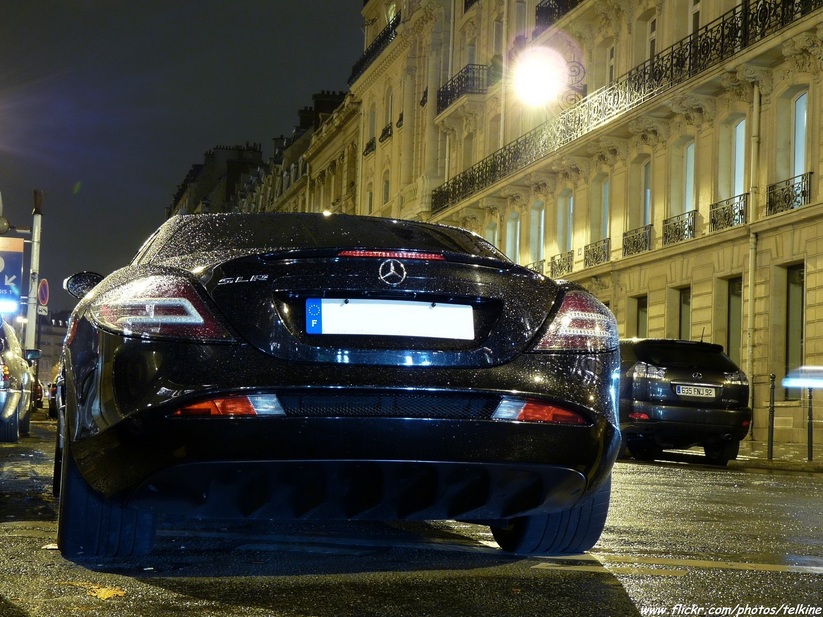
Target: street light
<point>539,76</point>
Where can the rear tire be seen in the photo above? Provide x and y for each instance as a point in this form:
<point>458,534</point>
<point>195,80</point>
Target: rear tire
<point>10,429</point>
<point>722,452</point>
<point>89,525</point>
<point>570,531</point>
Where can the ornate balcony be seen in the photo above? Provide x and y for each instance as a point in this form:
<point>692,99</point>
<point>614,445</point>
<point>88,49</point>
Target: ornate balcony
<point>597,253</point>
<point>371,146</point>
<point>679,228</point>
<point>376,48</point>
<point>386,132</point>
<point>636,241</point>
<point>710,46</point>
<point>788,194</point>
<point>538,266</point>
<point>729,213</point>
<point>472,79</point>
<point>548,12</point>
<point>562,264</point>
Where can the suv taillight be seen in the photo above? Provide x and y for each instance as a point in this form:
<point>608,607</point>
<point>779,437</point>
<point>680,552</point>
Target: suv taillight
<point>648,371</point>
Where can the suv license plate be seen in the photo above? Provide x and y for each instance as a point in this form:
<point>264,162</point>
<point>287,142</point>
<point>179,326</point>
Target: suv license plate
<point>704,391</point>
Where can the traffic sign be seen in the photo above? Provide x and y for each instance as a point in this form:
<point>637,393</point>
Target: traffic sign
<point>43,292</point>
<point>11,274</point>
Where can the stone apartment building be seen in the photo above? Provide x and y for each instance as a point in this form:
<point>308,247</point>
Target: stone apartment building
<point>675,171</point>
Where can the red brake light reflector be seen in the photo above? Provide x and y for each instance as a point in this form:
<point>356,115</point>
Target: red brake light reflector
<point>390,254</point>
<point>231,406</point>
<point>539,412</point>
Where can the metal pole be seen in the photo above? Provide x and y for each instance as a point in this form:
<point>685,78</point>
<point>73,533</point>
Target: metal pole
<point>811,428</point>
<point>31,312</point>
<point>770,446</point>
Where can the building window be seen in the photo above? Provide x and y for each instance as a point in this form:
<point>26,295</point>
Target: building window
<point>536,231</point>
<point>520,18</point>
<point>795,276</point>
<point>491,233</point>
<point>695,17</point>
<point>386,186</point>
<point>651,32</point>
<point>739,157</point>
<point>734,319</point>
<point>369,198</point>
<point>565,221</point>
<point>513,237</point>
<point>792,133</point>
<point>799,134</point>
<point>641,316</point>
<point>600,194</point>
<point>684,329</point>
<point>647,192</point>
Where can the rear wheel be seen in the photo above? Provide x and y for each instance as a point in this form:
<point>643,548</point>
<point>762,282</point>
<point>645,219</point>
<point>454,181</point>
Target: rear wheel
<point>91,526</point>
<point>571,531</point>
<point>722,452</point>
<point>10,429</point>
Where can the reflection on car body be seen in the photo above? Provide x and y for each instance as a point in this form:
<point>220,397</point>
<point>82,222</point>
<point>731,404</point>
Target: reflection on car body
<point>677,394</point>
<point>16,385</point>
<point>270,366</point>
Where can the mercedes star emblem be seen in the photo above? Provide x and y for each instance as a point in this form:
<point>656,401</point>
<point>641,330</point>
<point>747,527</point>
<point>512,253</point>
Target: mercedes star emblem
<point>392,272</point>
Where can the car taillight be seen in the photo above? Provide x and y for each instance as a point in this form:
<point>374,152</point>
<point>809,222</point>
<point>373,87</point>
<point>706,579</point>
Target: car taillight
<point>157,306</point>
<point>648,371</point>
<point>530,410</point>
<point>232,406</point>
<point>582,323</point>
<point>736,378</point>
<point>638,415</point>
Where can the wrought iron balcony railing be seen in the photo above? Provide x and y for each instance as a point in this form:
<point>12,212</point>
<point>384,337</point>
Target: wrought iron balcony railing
<point>679,228</point>
<point>376,48</point>
<point>538,266</point>
<point>562,264</point>
<point>386,132</point>
<point>636,241</point>
<point>371,146</point>
<point>729,213</point>
<point>713,44</point>
<point>472,79</point>
<point>548,12</point>
<point>788,194</point>
<point>597,253</point>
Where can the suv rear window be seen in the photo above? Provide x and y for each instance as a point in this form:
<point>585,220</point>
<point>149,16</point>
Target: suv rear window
<point>689,355</point>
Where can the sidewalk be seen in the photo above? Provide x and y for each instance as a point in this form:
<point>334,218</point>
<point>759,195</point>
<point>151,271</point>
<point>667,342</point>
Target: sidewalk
<point>785,456</point>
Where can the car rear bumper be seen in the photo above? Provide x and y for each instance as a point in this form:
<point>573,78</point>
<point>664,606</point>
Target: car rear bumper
<point>684,427</point>
<point>348,468</point>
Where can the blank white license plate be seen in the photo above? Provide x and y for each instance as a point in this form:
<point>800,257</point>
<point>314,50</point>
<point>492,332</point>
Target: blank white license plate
<point>389,318</point>
<point>704,391</point>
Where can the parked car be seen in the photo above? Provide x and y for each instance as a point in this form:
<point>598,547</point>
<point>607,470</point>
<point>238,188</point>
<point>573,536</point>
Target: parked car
<point>16,384</point>
<point>676,394</point>
<point>296,366</point>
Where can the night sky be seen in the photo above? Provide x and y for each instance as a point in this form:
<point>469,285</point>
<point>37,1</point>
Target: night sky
<point>106,104</point>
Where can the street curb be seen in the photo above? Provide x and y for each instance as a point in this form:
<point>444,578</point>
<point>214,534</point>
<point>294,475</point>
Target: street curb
<point>776,465</point>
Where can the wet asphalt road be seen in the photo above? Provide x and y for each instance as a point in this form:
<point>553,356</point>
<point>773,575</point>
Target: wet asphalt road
<point>680,540</point>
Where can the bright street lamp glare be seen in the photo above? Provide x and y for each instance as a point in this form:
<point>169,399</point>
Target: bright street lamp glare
<point>539,76</point>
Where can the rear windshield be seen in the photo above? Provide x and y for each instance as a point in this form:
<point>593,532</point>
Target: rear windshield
<point>706,357</point>
<point>272,233</point>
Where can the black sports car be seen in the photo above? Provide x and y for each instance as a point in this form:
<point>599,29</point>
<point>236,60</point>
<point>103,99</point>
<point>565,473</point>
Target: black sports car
<point>300,366</point>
